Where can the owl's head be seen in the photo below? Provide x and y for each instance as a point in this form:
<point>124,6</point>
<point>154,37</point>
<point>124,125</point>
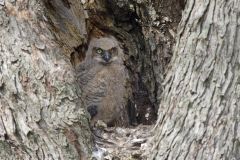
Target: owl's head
<point>105,50</point>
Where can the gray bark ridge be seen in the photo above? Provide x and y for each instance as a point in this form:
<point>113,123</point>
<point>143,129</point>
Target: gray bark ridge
<point>40,113</point>
<point>199,114</point>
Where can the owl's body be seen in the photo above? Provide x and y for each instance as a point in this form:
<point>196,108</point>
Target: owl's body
<point>102,77</point>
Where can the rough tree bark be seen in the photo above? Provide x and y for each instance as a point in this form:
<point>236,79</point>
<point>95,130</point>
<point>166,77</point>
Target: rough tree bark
<point>199,114</point>
<point>41,114</point>
<point>40,110</point>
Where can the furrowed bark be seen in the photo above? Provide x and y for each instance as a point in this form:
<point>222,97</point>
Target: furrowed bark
<point>199,114</point>
<point>41,115</point>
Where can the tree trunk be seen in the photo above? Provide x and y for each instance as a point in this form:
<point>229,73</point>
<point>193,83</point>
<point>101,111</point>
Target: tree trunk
<point>199,114</point>
<point>41,41</point>
<point>41,114</point>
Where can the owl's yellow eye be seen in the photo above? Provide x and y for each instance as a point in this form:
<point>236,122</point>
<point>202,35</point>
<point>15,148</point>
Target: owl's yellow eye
<point>99,51</point>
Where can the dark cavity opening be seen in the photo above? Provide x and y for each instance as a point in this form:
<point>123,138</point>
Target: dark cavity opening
<point>148,40</point>
<point>146,30</point>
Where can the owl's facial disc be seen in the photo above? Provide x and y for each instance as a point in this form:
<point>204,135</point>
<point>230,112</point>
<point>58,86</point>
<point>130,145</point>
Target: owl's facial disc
<point>104,55</point>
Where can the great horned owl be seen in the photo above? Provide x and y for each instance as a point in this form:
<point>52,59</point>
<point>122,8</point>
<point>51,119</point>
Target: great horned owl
<point>103,77</point>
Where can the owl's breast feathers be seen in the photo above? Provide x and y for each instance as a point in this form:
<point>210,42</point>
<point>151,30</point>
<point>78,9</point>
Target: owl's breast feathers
<point>103,85</point>
<point>104,91</point>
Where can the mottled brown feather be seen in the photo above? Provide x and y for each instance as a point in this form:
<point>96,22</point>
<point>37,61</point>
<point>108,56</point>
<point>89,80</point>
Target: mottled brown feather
<point>104,85</point>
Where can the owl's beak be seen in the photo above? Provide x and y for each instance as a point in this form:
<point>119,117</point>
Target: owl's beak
<point>106,56</point>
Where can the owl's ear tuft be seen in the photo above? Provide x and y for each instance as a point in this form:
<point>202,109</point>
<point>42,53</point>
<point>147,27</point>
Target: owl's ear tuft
<point>114,51</point>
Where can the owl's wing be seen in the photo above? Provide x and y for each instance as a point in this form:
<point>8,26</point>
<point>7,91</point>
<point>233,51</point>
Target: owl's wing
<point>94,92</point>
<point>93,87</point>
<point>84,74</point>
